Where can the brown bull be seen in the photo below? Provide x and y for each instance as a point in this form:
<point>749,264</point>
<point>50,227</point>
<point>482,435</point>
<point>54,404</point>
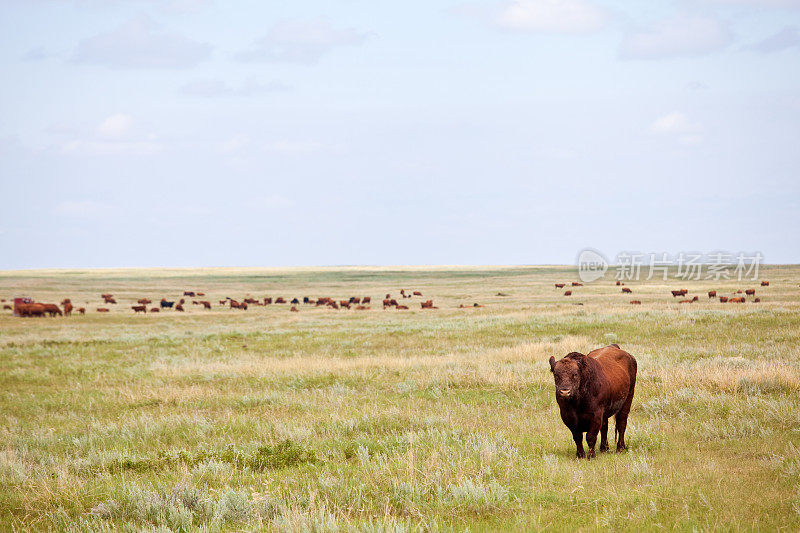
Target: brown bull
<point>592,388</point>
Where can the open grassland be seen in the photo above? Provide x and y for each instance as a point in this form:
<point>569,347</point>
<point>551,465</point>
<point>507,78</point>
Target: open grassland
<point>392,420</point>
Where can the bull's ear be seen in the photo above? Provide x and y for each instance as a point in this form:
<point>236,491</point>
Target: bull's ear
<point>552,363</point>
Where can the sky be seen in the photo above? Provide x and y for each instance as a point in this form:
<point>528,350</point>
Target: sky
<point>353,132</point>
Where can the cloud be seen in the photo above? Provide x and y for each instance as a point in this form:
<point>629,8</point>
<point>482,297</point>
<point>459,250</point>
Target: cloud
<point>788,37</point>
<point>217,88</point>
<point>684,35</point>
<point>555,16</point>
<point>301,41</point>
<point>36,54</point>
<point>139,44</point>
<point>82,209</point>
<point>117,125</point>
<point>679,126</point>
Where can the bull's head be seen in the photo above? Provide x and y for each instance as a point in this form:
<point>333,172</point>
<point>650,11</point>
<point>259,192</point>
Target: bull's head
<point>567,375</point>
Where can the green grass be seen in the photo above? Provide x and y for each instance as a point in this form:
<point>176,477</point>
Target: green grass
<point>379,420</point>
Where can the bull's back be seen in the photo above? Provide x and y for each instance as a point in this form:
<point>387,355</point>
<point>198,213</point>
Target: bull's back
<point>619,368</point>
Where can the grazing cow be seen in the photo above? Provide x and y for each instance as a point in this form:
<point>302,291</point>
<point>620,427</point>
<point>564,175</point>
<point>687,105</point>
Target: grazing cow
<point>355,300</point>
<point>235,305</point>
<point>398,307</point>
<point>306,300</point>
<point>738,292</point>
<point>223,302</point>
<point>366,299</point>
<point>568,293</point>
<point>682,292</point>
<point>294,310</point>
<point>179,307</point>
<point>107,295</point>
<point>324,301</point>
<point>750,292</point>
<point>165,303</point>
<point>736,300</point>
<point>109,300</point>
<point>576,284</point>
<point>52,310</point>
<point>144,301</point>
<point>201,294</point>
<point>82,310</point>
<point>417,293</point>
<point>206,304</point>
<point>268,300</point>
<point>361,307</point>
<point>139,309</point>
<point>189,293</point>
<point>67,308</point>
<point>592,388</point>
<point>388,296</point>
<point>757,300</point>
<point>389,302</point>
<point>427,304</point>
<point>627,290</point>
<point>636,302</point>
<point>102,310</point>
<point>619,283</point>
<point>181,301</point>
<point>712,294</point>
<point>31,309</point>
<point>403,293</point>
<point>7,307</point>
<point>560,285</point>
<point>295,301</point>
<point>333,305</point>
<point>250,300</point>
<point>685,301</point>
<point>765,283</point>
<point>280,300</point>
<point>723,299</point>
<point>195,302</point>
<point>155,310</point>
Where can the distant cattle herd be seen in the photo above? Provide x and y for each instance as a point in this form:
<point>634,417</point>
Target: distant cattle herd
<point>358,303</point>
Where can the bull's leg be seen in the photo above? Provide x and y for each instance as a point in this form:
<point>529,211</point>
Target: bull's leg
<point>604,435</point>
<point>620,423</point>
<point>591,435</point>
<point>577,436</point>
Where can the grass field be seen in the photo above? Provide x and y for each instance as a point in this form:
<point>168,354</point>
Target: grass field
<point>392,420</point>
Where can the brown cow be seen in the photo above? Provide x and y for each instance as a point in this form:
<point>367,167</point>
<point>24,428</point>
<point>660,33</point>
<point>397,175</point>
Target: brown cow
<point>757,300</point>
<point>144,301</point>
<point>52,310</point>
<point>765,283</point>
<point>560,285</point>
<point>417,293</point>
<point>155,310</point>
<point>682,292</point>
<point>107,295</point>
<point>67,307</point>
<point>139,309</point>
<point>389,302</point>
<point>398,307</point>
<point>7,307</point>
<point>82,310</point>
<point>736,300</point>
<point>619,283</point>
<point>568,293</point>
<point>189,293</point>
<point>345,304</point>
<point>267,300</point>
<point>427,305</point>
<point>201,294</point>
<point>712,294</point>
<point>206,304</point>
<point>294,310</point>
<point>102,310</point>
<point>576,284</point>
<point>750,292</point>
<point>223,302</point>
<point>366,299</point>
<point>361,308</point>
<point>179,307</point>
<point>627,290</point>
<point>388,296</point>
<point>592,388</point>
<point>110,300</point>
<point>333,305</point>
<point>636,302</point>
<point>723,299</point>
